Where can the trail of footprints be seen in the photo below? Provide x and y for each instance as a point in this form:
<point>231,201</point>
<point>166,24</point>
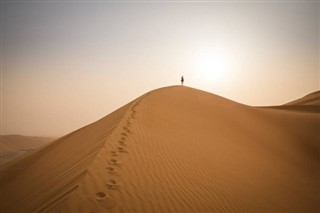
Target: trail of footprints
<point>113,163</point>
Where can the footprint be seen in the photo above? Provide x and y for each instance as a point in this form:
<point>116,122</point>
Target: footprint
<point>127,129</point>
<point>113,153</point>
<point>112,184</point>
<point>123,138</point>
<point>113,162</point>
<point>124,134</point>
<point>121,142</point>
<point>121,150</point>
<point>110,169</point>
<point>100,195</point>
<point>104,200</point>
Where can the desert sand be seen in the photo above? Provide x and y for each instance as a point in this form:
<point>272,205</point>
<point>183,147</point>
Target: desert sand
<point>176,149</point>
<point>14,146</point>
<point>310,99</point>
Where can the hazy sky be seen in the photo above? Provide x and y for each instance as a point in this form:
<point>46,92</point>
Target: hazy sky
<point>66,64</point>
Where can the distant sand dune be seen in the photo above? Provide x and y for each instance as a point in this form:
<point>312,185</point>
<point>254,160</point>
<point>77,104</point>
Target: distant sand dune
<point>310,99</point>
<point>308,103</point>
<point>14,146</point>
<point>175,149</point>
<point>13,143</point>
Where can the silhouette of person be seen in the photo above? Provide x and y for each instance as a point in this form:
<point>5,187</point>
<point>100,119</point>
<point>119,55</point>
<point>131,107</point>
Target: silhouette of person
<point>182,80</point>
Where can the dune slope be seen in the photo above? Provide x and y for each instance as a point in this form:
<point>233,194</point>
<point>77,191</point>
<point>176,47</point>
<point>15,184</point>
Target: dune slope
<point>45,178</point>
<point>175,149</point>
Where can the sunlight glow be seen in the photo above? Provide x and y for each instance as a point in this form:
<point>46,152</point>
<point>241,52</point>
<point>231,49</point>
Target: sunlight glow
<point>212,65</point>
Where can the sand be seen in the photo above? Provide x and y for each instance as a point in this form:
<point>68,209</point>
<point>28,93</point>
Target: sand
<point>175,149</point>
<point>310,99</point>
<point>14,146</point>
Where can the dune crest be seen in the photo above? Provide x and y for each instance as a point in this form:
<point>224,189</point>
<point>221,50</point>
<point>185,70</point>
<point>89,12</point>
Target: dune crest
<point>175,149</point>
<point>310,99</point>
<point>308,103</point>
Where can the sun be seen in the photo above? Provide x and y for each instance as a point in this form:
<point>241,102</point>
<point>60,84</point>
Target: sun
<point>212,66</point>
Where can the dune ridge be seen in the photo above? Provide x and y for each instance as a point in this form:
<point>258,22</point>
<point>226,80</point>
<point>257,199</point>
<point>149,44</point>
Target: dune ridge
<point>308,103</point>
<point>175,149</point>
<point>310,99</point>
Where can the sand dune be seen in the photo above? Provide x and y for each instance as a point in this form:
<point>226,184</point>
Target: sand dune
<point>308,103</point>
<point>174,149</point>
<point>14,146</point>
<point>310,99</point>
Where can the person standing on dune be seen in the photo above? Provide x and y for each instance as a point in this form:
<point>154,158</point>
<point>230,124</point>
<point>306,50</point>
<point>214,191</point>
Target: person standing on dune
<point>182,80</point>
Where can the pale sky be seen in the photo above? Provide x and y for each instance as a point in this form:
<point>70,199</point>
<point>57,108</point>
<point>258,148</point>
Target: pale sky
<point>66,64</point>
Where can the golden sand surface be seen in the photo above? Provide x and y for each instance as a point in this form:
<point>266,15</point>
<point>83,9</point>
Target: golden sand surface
<point>175,149</point>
